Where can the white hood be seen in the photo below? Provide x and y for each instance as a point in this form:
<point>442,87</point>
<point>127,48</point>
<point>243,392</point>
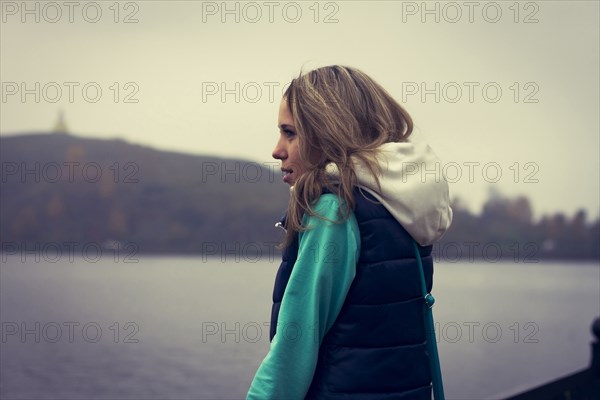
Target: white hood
<point>413,188</point>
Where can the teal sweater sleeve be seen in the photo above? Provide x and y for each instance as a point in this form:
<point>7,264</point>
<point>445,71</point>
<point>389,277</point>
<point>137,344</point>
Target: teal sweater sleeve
<point>318,285</point>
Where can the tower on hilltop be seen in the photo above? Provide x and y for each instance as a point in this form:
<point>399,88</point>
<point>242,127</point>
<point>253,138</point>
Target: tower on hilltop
<point>61,125</point>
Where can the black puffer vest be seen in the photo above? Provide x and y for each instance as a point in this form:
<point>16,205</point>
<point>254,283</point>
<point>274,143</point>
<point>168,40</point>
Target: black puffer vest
<point>376,348</point>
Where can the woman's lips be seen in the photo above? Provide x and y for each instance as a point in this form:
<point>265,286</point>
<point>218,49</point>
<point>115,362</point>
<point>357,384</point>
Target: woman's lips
<point>286,175</point>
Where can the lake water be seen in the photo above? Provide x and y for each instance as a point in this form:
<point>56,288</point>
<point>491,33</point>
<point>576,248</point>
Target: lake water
<point>194,328</point>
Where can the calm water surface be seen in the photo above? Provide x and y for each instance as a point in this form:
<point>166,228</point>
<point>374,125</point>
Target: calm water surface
<point>188,328</point>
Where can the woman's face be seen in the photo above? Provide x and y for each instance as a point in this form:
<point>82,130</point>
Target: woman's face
<point>286,148</point>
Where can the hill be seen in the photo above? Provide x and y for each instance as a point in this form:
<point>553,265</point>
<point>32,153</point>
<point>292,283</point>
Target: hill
<point>58,188</point>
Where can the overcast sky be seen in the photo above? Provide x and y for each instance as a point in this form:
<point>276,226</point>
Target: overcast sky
<point>493,86</point>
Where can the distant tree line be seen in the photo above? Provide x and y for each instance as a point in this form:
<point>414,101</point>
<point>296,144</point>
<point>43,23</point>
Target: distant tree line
<point>505,230</point>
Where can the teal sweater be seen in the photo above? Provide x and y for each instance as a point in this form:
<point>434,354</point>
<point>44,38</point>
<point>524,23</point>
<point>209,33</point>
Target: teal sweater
<point>315,293</point>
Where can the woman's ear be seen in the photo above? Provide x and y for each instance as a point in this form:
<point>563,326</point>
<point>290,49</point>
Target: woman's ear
<point>315,156</point>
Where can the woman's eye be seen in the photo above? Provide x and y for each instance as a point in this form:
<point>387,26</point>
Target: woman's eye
<point>289,133</point>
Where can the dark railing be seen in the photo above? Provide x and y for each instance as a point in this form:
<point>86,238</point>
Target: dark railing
<point>582,385</point>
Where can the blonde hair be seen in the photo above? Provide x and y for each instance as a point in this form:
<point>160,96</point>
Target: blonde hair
<point>338,112</point>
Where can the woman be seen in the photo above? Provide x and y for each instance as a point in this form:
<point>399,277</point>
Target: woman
<point>347,319</point>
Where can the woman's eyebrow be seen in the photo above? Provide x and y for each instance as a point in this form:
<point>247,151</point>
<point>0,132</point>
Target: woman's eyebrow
<point>285,126</point>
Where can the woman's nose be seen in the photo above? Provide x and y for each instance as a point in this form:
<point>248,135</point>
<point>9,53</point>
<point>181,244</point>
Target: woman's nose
<point>279,152</point>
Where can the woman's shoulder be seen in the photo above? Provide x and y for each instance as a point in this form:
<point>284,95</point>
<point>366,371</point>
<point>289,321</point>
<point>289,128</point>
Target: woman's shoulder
<point>329,219</point>
<point>327,199</point>
<point>329,207</point>
<point>326,202</point>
